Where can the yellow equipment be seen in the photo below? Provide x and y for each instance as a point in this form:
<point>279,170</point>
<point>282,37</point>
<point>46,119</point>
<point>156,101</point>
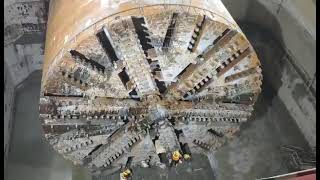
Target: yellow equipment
<point>186,156</point>
<point>125,174</point>
<point>176,156</point>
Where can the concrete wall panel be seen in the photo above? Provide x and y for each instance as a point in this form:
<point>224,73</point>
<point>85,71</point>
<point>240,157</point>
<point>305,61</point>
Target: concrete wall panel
<point>8,111</point>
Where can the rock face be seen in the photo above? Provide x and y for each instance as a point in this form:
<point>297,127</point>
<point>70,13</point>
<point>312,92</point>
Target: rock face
<point>130,85</point>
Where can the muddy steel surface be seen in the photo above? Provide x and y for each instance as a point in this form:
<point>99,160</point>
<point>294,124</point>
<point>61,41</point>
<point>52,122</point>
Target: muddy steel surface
<point>136,86</point>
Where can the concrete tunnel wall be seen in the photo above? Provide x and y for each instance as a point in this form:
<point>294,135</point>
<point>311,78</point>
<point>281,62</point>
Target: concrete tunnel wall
<point>24,35</point>
<point>290,22</point>
<point>9,90</point>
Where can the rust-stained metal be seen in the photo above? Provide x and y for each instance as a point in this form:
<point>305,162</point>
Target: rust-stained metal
<point>136,79</point>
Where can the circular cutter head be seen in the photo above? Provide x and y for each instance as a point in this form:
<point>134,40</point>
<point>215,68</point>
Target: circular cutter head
<point>133,82</point>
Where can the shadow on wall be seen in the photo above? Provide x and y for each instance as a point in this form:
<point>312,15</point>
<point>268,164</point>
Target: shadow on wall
<point>268,47</point>
<point>266,44</point>
<point>290,35</point>
<point>287,54</point>
<point>270,55</point>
